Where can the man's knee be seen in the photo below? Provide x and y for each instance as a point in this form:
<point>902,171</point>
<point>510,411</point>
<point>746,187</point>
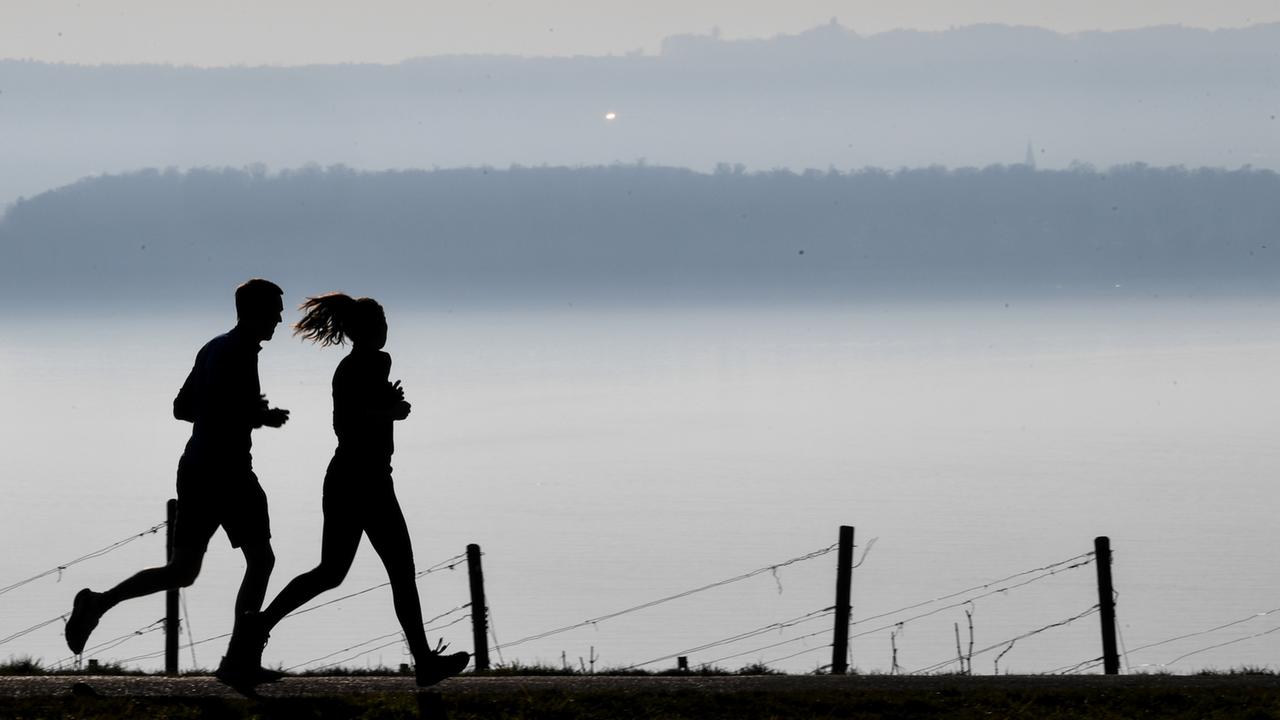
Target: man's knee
<point>186,577</point>
<point>185,567</point>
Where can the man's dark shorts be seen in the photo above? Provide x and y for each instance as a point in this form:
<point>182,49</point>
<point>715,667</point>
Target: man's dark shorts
<point>212,495</point>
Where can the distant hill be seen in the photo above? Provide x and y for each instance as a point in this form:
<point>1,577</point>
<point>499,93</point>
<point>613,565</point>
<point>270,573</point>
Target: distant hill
<point>1039,53</point>
<point>824,98</point>
<point>637,234</point>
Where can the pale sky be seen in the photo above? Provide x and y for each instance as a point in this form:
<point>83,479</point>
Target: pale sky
<point>292,32</point>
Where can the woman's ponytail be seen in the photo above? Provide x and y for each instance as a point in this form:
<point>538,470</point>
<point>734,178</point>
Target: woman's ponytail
<point>325,317</point>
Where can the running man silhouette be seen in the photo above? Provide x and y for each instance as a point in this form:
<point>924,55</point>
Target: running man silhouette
<point>359,498</point>
<point>216,484</point>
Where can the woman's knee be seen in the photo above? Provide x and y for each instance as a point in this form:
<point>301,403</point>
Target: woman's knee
<point>401,571</point>
<point>260,559</point>
<point>329,576</point>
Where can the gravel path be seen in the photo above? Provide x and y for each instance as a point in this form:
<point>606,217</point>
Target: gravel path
<point>153,686</point>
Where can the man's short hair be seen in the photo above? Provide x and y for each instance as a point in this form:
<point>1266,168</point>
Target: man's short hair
<point>255,294</point>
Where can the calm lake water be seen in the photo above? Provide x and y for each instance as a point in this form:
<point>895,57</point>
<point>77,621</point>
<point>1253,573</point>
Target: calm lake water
<point>603,459</point>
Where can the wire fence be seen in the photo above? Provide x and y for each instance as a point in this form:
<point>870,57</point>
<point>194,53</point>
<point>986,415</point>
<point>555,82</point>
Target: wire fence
<point>58,569</point>
<point>62,567</point>
<point>1004,645</point>
<point>805,633</point>
<point>934,605</point>
<point>427,625</point>
<point>1208,631</point>
<point>669,598</point>
<point>960,598</point>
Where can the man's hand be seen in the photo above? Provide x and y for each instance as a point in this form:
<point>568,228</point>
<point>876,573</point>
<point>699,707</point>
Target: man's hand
<point>400,410</point>
<point>397,390</point>
<point>275,417</point>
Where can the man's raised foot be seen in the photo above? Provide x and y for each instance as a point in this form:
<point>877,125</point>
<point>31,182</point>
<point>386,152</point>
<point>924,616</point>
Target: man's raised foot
<point>86,611</point>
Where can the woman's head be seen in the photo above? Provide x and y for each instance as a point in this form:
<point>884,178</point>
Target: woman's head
<point>334,318</point>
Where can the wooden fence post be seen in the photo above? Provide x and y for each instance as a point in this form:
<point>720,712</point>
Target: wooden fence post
<point>479,610</point>
<point>1106,605</point>
<point>171,624</point>
<point>844,582</point>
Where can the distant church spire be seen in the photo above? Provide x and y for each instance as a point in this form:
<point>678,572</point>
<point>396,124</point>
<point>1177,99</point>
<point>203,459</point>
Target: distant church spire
<point>1030,160</point>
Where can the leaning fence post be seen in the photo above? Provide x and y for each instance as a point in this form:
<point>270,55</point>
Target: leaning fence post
<point>170,596</point>
<point>844,581</point>
<point>1106,605</point>
<point>479,610</point>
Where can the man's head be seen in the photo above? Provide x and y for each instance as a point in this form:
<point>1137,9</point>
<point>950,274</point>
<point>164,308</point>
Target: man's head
<point>259,306</point>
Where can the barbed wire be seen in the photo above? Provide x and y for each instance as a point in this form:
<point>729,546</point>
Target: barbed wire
<point>1077,667</point>
<point>493,634</point>
<point>387,645</point>
<point>1008,644</point>
<point>33,628</point>
<point>88,556</point>
<point>1044,571</point>
<point>448,564</point>
<point>160,653</point>
<point>1124,650</point>
<point>1085,666</point>
<point>111,644</point>
<point>186,623</point>
<point>1198,633</point>
<point>996,591</point>
<point>825,631</point>
<point>1052,569</point>
<point>441,616</point>
<point>806,651</point>
<point>807,617</point>
<point>646,605</point>
<point>1223,644</point>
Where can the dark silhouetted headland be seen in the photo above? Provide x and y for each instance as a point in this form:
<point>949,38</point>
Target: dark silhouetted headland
<point>637,234</point>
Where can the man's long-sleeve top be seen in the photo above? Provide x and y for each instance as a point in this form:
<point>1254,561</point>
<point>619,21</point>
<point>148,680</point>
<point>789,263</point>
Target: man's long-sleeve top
<point>222,397</point>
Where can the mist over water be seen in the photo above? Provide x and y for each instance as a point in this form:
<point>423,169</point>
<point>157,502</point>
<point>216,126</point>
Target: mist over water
<point>606,458</point>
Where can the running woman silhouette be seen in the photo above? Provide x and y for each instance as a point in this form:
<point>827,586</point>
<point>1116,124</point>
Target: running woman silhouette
<point>217,487</point>
<point>359,498</point>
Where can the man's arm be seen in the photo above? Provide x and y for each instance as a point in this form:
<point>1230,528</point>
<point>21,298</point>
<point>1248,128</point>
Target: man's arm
<point>186,406</point>
<point>271,417</point>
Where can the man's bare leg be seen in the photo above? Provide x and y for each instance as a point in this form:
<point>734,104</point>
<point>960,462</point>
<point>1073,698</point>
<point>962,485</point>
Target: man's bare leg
<point>90,606</point>
<point>241,667</point>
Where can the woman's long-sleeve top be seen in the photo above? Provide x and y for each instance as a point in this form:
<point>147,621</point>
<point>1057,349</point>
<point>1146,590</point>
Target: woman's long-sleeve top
<point>364,407</point>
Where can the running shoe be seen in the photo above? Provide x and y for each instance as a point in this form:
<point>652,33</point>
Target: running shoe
<point>86,611</point>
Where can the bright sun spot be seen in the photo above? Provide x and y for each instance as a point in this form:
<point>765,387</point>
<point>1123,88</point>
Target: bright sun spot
<point>611,115</point>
